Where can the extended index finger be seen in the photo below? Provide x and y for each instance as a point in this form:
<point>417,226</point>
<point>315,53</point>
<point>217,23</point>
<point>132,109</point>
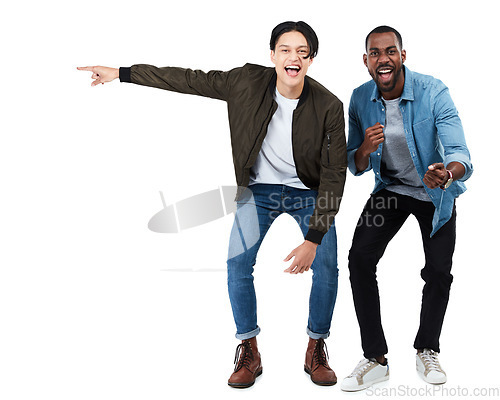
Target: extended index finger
<point>91,69</point>
<point>436,166</point>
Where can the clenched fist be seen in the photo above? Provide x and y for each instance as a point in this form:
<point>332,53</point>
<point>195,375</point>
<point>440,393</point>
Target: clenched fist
<point>374,135</point>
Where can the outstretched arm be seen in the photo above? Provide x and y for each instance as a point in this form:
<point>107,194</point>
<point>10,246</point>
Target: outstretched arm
<point>101,74</point>
<point>214,84</point>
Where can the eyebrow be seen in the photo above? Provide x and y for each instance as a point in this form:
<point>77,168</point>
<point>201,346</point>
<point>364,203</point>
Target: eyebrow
<point>387,48</point>
<point>299,47</point>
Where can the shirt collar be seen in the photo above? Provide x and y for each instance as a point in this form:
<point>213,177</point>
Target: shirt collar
<point>407,89</point>
<point>303,95</point>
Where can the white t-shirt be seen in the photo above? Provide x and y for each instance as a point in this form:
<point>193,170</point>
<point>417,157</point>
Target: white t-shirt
<point>275,163</point>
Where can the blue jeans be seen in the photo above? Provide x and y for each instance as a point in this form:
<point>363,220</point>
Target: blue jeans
<point>257,208</point>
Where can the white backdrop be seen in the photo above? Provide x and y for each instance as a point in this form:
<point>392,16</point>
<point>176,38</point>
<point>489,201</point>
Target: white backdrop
<point>94,305</point>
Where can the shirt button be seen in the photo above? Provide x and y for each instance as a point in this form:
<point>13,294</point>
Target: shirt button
<point>378,154</point>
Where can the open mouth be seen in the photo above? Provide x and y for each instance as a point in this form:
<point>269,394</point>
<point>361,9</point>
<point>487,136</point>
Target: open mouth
<point>385,73</point>
<point>292,70</point>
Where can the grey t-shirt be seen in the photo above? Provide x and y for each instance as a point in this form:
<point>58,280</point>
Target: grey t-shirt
<point>397,163</point>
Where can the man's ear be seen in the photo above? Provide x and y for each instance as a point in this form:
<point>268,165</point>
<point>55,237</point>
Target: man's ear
<point>273,59</point>
<point>403,55</point>
<point>365,60</point>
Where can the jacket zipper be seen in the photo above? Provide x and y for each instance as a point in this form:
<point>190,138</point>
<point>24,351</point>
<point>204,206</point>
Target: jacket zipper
<point>257,144</point>
<point>293,147</point>
<point>328,148</point>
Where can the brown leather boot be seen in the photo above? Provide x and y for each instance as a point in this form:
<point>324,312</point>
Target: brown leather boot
<point>248,367</point>
<point>316,363</point>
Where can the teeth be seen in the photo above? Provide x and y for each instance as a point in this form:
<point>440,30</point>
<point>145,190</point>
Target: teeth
<point>384,71</point>
<point>292,67</point>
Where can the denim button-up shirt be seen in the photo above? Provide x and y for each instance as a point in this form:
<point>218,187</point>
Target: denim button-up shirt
<point>433,133</point>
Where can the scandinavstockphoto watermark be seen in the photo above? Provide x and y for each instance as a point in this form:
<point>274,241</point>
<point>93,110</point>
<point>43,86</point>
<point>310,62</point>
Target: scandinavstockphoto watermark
<point>214,204</point>
<point>433,391</point>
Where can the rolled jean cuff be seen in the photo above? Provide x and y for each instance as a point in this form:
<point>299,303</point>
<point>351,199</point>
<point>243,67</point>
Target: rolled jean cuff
<point>248,335</point>
<point>317,336</point>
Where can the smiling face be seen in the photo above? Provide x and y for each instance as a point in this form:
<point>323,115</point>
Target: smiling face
<point>291,64</point>
<point>384,60</point>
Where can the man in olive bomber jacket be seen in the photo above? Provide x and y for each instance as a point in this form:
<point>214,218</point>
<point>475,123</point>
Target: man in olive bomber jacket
<point>289,154</point>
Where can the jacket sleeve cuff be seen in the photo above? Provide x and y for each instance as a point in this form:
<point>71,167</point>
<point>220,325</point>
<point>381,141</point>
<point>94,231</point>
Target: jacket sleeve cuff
<point>125,74</point>
<point>462,159</point>
<point>351,163</point>
<point>314,236</point>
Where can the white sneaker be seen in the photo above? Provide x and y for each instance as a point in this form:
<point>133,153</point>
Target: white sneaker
<point>366,373</point>
<point>428,367</point>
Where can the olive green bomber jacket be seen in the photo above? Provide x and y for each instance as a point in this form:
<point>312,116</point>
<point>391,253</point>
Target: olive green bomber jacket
<point>318,138</point>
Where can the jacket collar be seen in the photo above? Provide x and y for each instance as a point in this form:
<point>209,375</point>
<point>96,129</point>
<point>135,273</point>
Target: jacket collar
<point>407,89</point>
<point>303,95</point>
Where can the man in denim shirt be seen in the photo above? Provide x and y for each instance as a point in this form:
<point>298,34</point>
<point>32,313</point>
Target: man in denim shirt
<point>405,127</point>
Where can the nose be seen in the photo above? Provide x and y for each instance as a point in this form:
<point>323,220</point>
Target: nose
<point>383,58</point>
<point>294,55</point>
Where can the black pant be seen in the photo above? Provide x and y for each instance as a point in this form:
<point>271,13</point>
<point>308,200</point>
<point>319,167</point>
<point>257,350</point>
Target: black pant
<point>382,217</point>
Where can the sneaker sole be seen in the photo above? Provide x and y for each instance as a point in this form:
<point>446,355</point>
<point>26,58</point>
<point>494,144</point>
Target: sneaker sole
<point>422,375</point>
<point>365,386</point>
<point>245,385</point>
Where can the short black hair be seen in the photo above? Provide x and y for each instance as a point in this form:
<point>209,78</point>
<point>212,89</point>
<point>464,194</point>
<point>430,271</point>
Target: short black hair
<point>384,29</point>
<point>299,26</point>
